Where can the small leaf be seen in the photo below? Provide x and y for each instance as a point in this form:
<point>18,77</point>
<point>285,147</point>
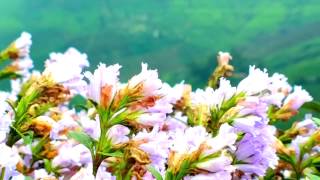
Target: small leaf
<point>112,154</point>
<point>47,165</point>
<point>313,177</point>
<point>313,105</point>
<point>28,137</point>
<point>184,168</point>
<point>154,172</point>
<point>287,158</point>
<point>82,138</point>
<point>28,178</point>
<point>316,120</point>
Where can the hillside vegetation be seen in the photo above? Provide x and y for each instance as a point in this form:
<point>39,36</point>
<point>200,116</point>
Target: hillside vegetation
<point>178,37</point>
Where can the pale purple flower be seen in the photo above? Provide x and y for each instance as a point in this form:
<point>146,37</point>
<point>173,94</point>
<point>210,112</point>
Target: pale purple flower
<point>156,144</point>
<point>23,44</point>
<point>211,176</point>
<point>102,76</point>
<point>63,124</point>
<point>226,138</point>
<point>24,65</point>
<point>9,157</point>
<point>189,140</point>
<point>91,126</point>
<point>42,174</point>
<point>309,124</point>
<point>213,98</point>
<point>255,149</point>
<point>297,98</point>
<point>176,122</point>
<point>172,94</point>
<point>6,116</point>
<point>279,83</point>
<point>83,173</point>
<point>253,105</point>
<point>221,163</point>
<point>152,118</point>
<point>70,155</point>
<point>255,82</point>
<point>150,80</point>
<point>118,134</point>
<point>71,63</point>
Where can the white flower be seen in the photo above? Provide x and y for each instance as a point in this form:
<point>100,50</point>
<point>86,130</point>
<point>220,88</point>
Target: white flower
<point>23,44</point>
<point>9,157</point>
<point>24,65</point>
<point>255,82</point>
<point>72,155</point>
<point>211,97</point>
<point>150,80</point>
<point>42,174</point>
<point>6,116</point>
<point>118,134</point>
<point>297,98</point>
<point>103,76</point>
<point>156,144</point>
<point>66,69</point>
<point>83,173</point>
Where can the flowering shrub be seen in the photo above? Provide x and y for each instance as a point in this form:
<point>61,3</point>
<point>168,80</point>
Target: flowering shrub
<point>147,129</point>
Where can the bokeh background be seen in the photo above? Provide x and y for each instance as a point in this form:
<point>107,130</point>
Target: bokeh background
<point>179,37</point>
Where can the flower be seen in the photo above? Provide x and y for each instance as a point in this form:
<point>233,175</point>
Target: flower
<point>103,83</point>
<point>224,58</point>
<point>6,116</point>
<point>156,144</point>
<point>70,155</point>
<point>297,98</point>
<point>255,82</point>
<point>9,157</point>
<point>149,80</point>
<point>118,134</point>
<point>20,48</point>
<point>255,149</point>
<point>211,176</point>
<point>71,63</point>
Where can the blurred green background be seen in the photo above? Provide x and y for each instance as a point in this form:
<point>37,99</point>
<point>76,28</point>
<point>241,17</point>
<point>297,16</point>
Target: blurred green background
<point>178,37</point>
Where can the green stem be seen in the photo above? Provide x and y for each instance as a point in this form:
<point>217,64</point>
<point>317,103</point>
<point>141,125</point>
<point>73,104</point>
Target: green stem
<point>3,170</point>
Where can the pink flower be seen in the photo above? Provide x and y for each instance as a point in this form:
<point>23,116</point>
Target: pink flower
<point>224,58</point>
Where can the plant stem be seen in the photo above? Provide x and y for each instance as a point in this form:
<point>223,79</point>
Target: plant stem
<point>3,171</point>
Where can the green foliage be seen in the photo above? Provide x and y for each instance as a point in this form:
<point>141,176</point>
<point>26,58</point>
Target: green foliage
<point>154,172</point>
<point>313,106</point>
<point>83,138</point>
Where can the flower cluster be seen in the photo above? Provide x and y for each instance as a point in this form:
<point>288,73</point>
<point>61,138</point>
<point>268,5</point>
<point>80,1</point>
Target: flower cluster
<point>146,129</point>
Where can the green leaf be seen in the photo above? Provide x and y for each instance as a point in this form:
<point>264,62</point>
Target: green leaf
<point>112,154</point>
<point>83,138</point>
<point>184,169</point>
<point>39,146</point>
<point>316,120</point>
<point>312,176</point>
<point>154,172</point>
<point>287,158</point>
<point>28,137</point>
<point>48,165</point>
<point>313,106</point>
<point>169,175</point>
<point>28,178</point>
